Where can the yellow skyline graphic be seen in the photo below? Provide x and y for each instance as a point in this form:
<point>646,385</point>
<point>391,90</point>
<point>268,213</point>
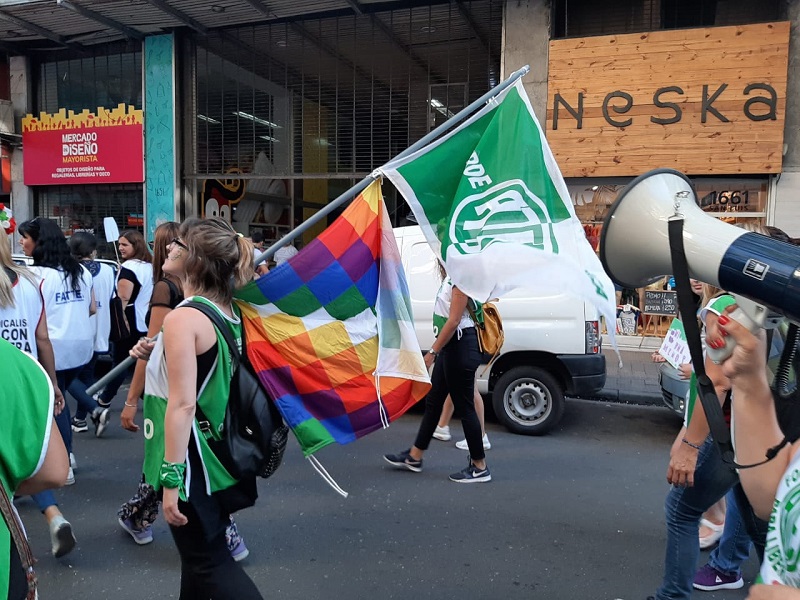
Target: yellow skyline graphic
<point>122,115</point>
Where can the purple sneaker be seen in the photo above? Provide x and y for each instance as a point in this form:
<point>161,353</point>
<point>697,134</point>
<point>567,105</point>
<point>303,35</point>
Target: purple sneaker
<point>240,552</point>
<point>140,536</point>
<point>709,579</point>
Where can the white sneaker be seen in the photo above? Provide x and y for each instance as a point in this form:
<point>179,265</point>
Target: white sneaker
<point>443,433</point>
<point>487,445</point>
<point>72,462</point>
<point>70,477</point>
<point>61,537</point>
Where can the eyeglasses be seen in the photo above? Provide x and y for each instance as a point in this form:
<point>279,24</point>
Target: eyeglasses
<point>179,243</point>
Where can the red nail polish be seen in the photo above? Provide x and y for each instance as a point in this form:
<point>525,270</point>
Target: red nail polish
<point>724,320</point>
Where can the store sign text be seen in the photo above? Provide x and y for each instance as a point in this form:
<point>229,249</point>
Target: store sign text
<point>88,147</point>
<point>761,107</point>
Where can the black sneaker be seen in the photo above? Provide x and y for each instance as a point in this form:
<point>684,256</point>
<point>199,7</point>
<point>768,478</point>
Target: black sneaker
<point>100,417</point>
<point>404,461</point>
<point>79,425</point>
<point>471,474</point>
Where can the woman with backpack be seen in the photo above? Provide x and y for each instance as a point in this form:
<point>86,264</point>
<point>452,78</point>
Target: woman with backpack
<point>455,356</point>
<point>138,514</point>
<point>210,258</point>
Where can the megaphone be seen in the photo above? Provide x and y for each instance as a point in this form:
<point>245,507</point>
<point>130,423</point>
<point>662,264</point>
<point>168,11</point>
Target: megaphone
<point>635,249</point>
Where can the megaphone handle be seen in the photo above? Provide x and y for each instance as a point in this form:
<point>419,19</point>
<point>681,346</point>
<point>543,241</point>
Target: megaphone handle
<point>720,354</point>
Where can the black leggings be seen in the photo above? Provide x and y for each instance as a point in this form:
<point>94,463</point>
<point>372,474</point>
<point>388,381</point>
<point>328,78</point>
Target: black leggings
<point>454,373</point>
<point>208,571</point>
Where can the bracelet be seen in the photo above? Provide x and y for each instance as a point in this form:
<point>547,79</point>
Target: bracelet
<point>130,405</point>
<point>690,444</point>
<point>173,475</point>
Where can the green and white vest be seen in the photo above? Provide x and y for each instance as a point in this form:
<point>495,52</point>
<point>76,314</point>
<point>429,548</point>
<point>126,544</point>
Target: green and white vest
<point>212,398</point>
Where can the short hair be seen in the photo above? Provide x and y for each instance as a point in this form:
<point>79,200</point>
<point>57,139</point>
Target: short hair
<point>258,236</point>
<point>82,244</point>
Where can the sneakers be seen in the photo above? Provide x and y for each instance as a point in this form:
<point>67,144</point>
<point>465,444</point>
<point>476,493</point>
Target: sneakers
<point>709,579</point>
<point>487,445</point>
<point>72,462</point>
<point>240,552</point>
<point>404,461</point>
<point>471,474</point>
<point>443,433</point>
<point>140,536</point>
<point>61,537</point>
<point>79,425</point>
<point>100,418</point>
<point>97,397</point>
<point>70,477</point>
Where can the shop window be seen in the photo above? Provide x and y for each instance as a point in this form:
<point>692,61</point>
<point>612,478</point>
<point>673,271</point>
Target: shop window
<point>580,18</point>
<point>83,208</point>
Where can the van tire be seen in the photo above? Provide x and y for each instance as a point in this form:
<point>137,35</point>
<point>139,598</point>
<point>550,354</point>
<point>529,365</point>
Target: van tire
<point>528,400</point>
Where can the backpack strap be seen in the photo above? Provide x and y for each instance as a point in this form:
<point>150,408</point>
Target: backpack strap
<point>219,324</point>
<point>217,321</point>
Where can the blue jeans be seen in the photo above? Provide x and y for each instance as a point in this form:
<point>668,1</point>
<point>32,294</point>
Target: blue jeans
<point>77,389</point>
<point>684,507</point>
<point>64,422</point>
<point>734,545</point>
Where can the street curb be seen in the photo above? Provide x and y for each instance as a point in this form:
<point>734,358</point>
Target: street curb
<point>626,397</point>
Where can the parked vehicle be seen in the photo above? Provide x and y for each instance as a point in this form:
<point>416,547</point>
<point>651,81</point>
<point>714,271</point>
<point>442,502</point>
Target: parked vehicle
<point>675,390</point>
<point>552,345</point>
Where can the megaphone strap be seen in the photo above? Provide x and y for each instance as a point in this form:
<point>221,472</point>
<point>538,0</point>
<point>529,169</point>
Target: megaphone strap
<point>720,432</point>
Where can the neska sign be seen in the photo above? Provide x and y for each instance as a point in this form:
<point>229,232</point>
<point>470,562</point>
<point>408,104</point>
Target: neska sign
<point>761,107</point>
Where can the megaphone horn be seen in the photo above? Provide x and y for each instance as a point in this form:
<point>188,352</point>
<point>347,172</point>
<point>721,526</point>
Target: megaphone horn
<point>635,250</point>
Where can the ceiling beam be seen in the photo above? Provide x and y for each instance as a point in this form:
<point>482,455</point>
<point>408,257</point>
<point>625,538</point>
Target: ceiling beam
<point>181,16</point>
<point>262,8</point>
<point>45,33</point>
<point>356,6</point>
<point>128,32</point>
<point>467,16</point>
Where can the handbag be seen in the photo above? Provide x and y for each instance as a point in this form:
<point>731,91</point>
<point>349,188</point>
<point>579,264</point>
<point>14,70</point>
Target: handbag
<point>254,434</point>
<point>20,541</point>
<point>119,324</point>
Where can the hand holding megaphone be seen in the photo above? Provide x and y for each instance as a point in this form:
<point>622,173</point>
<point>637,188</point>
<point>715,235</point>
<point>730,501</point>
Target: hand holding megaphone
<point>746,313</point>
<point>748,348</point>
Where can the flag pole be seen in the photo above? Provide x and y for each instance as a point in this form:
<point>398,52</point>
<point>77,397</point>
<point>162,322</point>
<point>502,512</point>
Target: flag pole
<point>421,143</point>
<point>349,195</point>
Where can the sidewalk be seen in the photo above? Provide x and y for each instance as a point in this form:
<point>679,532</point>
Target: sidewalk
<point>636,382</point>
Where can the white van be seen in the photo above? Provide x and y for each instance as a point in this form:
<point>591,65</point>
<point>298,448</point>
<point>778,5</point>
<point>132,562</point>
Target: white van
<point>552,344</point>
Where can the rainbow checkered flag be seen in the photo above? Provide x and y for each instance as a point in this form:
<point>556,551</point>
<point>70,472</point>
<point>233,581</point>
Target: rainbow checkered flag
<point>330,331</point>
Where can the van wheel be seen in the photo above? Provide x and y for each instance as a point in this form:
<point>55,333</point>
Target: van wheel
<point>528,400</point>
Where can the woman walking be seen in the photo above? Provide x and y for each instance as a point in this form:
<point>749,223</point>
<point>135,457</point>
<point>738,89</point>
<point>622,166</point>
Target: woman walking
<point>138,514</point>
<point>134,288</point>
<point>455,356</point>
<point>211,258</point>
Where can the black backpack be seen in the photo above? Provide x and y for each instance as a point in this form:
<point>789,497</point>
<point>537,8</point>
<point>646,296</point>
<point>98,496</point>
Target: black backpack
<point>254,432</point>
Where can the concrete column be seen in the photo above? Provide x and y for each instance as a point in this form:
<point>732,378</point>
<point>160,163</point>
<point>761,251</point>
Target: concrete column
<point>526,38</point>
<point>160,167</point>
<point>22,104</point>
<point>787,190</point>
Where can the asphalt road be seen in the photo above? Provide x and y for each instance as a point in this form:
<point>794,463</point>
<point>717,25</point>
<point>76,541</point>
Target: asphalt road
<point>577,514</point>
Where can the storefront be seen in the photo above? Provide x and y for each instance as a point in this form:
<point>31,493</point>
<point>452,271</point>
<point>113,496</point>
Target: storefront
<point>619,106</point>
<point>83,142</point>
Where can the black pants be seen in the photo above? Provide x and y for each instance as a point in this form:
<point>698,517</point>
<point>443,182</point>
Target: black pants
<point>122,349</point>
<point>208,571</point>
<point>454,373</point>
<point>17,580</point>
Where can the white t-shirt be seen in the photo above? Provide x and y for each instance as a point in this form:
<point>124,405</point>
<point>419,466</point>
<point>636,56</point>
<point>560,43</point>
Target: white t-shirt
<point>144,275</point>
<point>103,286</point>
<point>18,323</point>
<point>67,310</point>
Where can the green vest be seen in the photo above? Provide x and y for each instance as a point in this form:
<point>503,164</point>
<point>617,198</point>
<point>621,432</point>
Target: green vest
<point>212,398</point>
<point>27,417</point>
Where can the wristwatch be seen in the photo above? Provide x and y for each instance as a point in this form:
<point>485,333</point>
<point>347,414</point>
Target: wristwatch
<point>434,352</point>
